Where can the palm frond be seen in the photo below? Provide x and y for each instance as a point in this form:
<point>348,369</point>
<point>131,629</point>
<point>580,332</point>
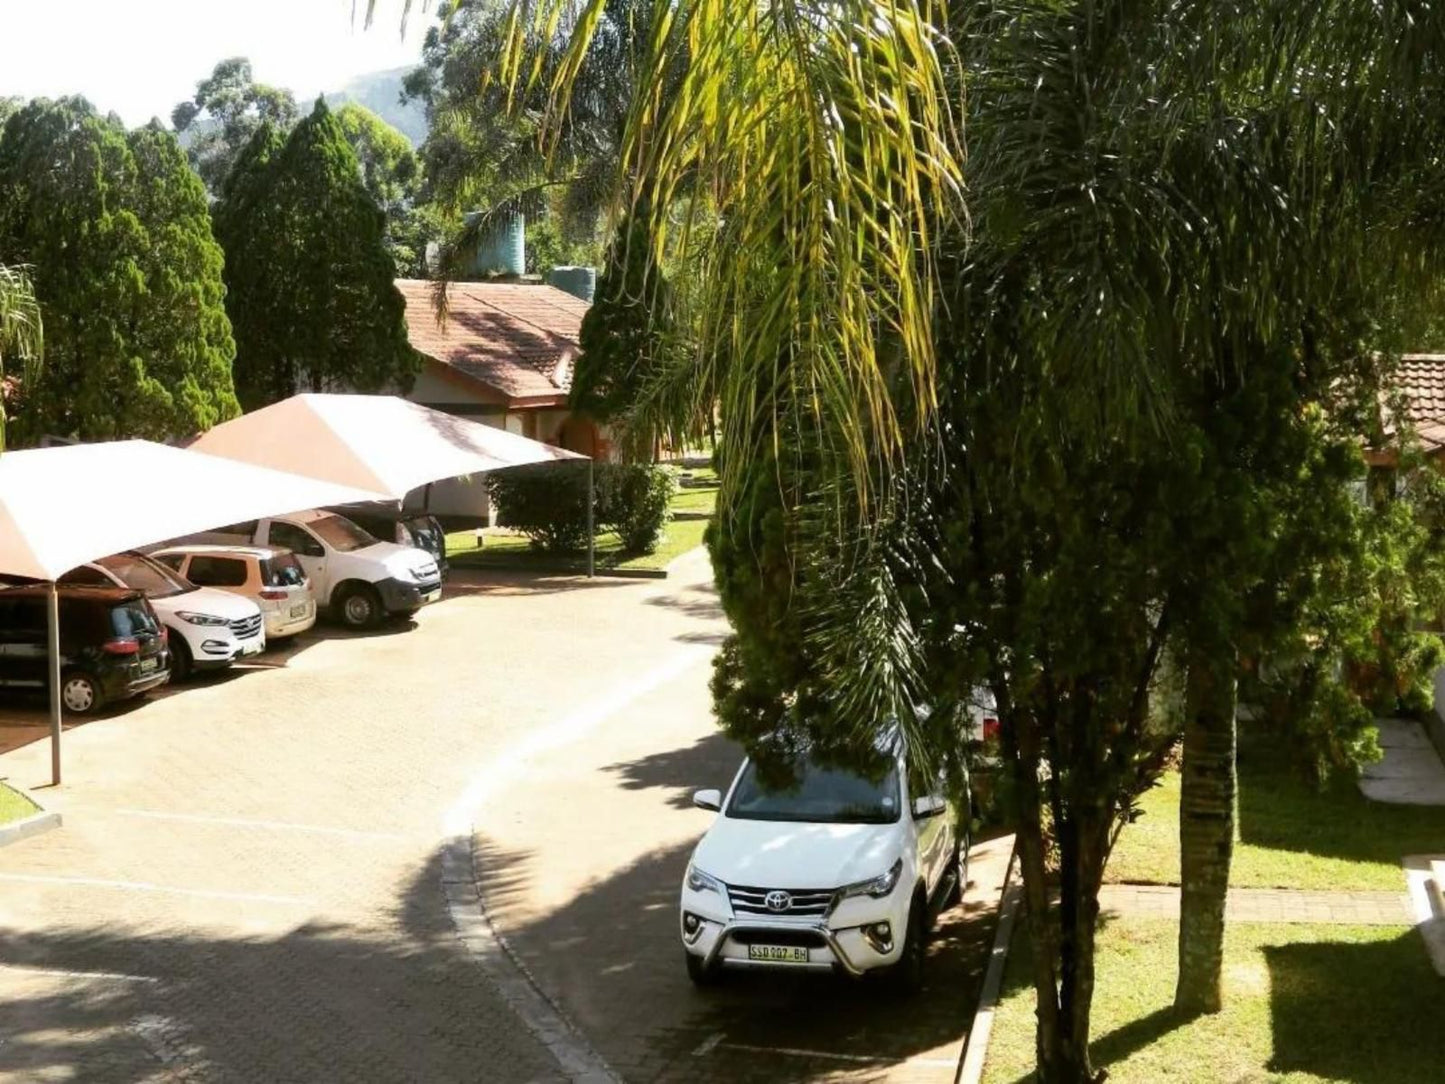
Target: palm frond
<point>822,135</point>
<point>22,334</point>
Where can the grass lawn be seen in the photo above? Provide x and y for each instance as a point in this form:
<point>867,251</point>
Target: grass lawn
<point>14,805</point>
<point>1303,1004</point>
<point>1290,835</point>
<point>503,548</point>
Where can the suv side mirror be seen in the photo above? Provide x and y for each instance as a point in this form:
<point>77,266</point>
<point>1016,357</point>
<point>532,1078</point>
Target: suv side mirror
<point>708,799</point>
<point>930,805</point>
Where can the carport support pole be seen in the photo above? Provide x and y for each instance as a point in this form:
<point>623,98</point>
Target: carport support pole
<point>591,532</point>
<point>52,625</point>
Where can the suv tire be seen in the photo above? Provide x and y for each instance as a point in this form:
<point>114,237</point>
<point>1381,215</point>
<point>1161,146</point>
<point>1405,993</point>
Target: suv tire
<point>906,976</point>
<point>359,606</point>
<point>182,665</point>
<point>699,972</point>
<point>79,692</point>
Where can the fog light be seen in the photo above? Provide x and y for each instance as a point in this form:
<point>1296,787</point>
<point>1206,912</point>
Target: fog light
<point>880,936</point>
<point>691,927</point>
<point>217,647</point>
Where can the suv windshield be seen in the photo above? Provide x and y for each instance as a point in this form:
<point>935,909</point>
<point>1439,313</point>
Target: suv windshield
<point>818,795</point>
<point>341,534</point>
<point>151,578</point>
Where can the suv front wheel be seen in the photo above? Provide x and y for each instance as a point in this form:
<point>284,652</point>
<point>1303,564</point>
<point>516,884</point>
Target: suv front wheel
<point>906,976</point>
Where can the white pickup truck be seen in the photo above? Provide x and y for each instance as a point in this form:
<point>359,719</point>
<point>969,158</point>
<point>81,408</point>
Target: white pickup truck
<point>358,578</point>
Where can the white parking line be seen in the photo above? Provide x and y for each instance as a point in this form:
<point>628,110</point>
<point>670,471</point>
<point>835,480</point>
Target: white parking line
<point>244,822</point>
<point>144,886</point>
<point>66,973</point>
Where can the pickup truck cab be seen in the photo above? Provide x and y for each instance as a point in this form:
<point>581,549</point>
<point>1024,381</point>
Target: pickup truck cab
<point>357,578</point>
<point>838,872</point>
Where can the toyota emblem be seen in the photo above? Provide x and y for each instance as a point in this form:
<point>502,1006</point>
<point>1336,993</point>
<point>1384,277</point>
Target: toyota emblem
<point>778,900</point>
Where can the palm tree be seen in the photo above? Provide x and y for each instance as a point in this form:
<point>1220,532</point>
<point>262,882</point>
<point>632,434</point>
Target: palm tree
<point>1158,193</point>
<point>21,333</point>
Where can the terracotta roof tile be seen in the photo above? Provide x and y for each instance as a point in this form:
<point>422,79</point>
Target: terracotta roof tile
<point>518,338</point>
<point>1421,378</point>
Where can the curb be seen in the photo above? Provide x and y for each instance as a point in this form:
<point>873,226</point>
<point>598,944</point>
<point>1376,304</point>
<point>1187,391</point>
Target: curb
<point>518,987</point>
<point>970,1068</point>
<point>36,824</point>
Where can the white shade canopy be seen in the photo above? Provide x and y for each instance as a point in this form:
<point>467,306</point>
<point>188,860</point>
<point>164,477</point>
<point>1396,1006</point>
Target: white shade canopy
<point>61,507</point>
<point>376,442</point>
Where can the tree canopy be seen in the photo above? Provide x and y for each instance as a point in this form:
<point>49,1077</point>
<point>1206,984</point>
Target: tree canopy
<point>309,279</point>
<point>391,174</point>
<point>115,229</point>
<point>226,110</point>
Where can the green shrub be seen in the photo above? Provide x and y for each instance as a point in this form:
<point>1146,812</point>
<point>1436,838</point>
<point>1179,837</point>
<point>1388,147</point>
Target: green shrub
<point>548,503</point>
<point>638,504</point>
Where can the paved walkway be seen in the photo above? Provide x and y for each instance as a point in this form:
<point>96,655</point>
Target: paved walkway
<point>1411,772</point>
<point>1268,905</point>
<point>248,885</point>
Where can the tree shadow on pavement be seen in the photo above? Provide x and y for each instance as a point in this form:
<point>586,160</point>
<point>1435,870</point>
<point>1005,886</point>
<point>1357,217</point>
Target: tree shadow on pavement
<point>708,762</point>
<point>319,1003</point>
<point>612,958</point>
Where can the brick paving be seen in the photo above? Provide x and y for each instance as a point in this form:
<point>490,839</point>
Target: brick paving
<point>596,922</point>
<point>1267,905</point>
<point>248,883</point>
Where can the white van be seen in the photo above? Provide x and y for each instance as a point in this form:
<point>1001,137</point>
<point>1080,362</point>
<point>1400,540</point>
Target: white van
<point>358,578</point>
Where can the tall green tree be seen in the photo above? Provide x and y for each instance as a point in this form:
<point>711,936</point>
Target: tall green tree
<point>225,112</point>
<point>309,279</point>
<point>627,337</point>
<point>115,228</point>
<point>1152,190</point>
<point>22,335</point>
<point>392,176</point>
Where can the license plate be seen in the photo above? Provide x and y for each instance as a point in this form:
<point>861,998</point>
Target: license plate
<point>147,665</point>
<point>298,611</point>
<point>252,647</point>
<point>432,596</point>
<point>778,954</point>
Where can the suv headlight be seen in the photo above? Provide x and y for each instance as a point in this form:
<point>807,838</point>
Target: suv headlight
<point>201,619</point>
<point>877,887</point>
<point>699,881</point>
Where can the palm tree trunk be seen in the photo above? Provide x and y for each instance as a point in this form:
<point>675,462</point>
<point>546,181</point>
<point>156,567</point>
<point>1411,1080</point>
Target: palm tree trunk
<point>1206,828</point>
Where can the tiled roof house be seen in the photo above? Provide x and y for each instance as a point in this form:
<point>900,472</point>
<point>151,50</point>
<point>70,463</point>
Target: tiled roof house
<point>504,355</point>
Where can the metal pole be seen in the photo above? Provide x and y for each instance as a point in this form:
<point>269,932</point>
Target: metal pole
<point>52,621</point>
<point>591,531</point>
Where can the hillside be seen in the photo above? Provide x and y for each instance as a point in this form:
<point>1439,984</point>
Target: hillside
<point>381,93</point>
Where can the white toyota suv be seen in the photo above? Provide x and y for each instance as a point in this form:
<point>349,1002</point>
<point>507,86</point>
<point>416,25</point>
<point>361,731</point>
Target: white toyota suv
<point>836,872</point>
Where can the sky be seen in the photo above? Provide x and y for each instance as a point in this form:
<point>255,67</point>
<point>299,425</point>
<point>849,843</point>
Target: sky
<point>139,58</point>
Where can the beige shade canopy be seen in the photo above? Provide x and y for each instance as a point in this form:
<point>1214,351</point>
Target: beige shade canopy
<point>61,507</point>
<point>377,442</point>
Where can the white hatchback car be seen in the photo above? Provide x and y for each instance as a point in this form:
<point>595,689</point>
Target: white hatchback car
<point>838,872</point>
<point>209,629</point>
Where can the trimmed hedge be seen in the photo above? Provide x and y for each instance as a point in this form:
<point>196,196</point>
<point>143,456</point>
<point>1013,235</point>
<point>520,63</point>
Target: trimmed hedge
<point>548,503</point>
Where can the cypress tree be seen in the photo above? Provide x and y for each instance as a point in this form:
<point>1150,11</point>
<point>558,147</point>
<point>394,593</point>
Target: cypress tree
<point>308,275</point>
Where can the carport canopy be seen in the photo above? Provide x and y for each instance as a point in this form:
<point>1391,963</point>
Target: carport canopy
<point>61,507</point>
<point>376,442</point>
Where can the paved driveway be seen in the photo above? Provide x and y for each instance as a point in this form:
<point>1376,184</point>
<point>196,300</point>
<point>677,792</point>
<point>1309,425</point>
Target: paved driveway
<point>248,885</point>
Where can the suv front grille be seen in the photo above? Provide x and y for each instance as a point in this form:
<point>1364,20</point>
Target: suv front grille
<point>246,627</point>
<point>802,902</point>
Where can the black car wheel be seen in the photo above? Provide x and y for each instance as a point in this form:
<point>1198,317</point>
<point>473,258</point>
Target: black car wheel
<point>699,972</point>
<point>79,692</point>
<point>906,976</point>
<point>181,662</point>
<point>359,607</point>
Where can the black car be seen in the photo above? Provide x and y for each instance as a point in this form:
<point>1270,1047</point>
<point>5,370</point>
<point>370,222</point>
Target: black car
<point>406,528</point>
<point>112,647</point>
